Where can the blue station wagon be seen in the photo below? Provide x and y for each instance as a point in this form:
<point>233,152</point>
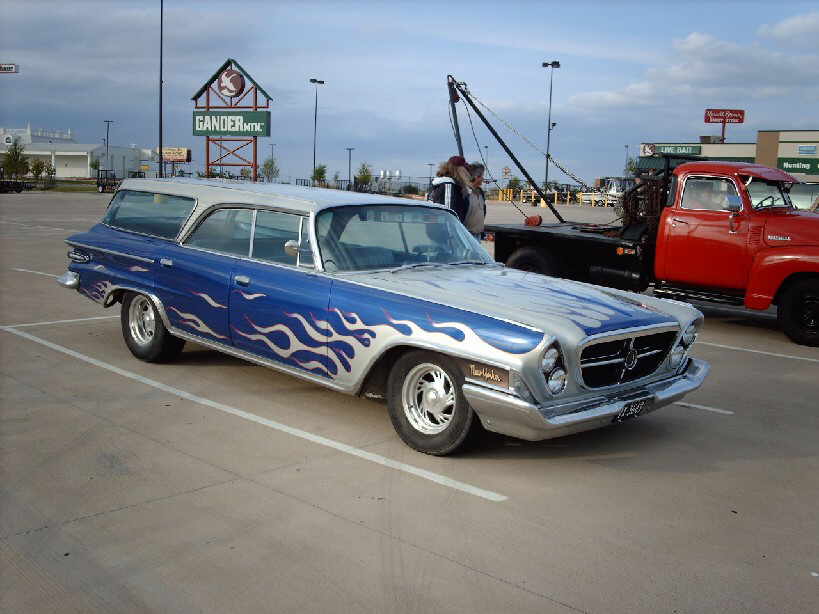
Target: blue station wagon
<point>382,297</point>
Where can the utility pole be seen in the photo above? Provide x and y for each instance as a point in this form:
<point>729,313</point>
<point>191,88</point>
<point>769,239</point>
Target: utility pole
<point>430,165</point>
<point>349,165</point>
<point>625,167</point>
<point>108,123</point>
<point>161,25</point>
<point>551,65</point>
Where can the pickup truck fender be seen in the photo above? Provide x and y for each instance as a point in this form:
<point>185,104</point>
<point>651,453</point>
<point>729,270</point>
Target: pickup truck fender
<point>772,267</point>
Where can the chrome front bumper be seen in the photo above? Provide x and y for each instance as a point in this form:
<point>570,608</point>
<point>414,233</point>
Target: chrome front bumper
<point>69,280</point>
<point>510,415</point>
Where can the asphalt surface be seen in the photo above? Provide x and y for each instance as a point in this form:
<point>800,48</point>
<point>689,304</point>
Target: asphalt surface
<point>212,485</point>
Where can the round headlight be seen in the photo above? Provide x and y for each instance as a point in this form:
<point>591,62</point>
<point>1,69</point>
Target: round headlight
<point>549,360</point>
<point>689,336</point>
<point>676,357</point>
<point>557,381</point>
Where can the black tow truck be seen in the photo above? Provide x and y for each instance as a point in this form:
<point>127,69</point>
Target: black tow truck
<point>106,180</point>
<point>12,185</point>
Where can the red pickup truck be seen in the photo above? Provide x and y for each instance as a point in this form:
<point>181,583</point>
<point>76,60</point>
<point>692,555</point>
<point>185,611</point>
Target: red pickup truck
<point>710,231</point>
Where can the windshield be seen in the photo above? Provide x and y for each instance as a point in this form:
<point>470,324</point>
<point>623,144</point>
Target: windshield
<point>767,193</point>
<point>803,195</point>
<point>389,236</point>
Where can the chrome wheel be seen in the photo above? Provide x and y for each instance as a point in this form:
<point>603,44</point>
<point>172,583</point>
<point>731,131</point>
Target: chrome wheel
<point>428,398</point>
<point>141,320</point>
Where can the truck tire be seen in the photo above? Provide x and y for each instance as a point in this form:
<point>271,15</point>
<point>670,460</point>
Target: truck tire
<point>534,260</point>
<point>798,312</point>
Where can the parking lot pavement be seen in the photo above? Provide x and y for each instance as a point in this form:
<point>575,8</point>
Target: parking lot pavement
<point>212,484</point>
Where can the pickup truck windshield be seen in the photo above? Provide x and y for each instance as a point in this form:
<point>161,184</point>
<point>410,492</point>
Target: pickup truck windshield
<point>391,236</point>
<point>767,193</point>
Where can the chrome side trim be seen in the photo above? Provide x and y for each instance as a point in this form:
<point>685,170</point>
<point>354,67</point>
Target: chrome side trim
<point>111,251</point>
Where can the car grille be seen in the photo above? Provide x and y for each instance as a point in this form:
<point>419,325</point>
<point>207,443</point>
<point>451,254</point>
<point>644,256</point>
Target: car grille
<point>606,363</point>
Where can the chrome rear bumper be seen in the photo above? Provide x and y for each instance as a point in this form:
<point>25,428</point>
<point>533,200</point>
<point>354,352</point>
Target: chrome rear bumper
<point>510,415</point>
<point>69,280</point>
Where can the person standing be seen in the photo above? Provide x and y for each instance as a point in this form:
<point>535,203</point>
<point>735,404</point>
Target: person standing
<point>476,214</point>
<point>451,186</point>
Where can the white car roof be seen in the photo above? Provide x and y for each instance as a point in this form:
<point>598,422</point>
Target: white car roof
<point>282,196</point>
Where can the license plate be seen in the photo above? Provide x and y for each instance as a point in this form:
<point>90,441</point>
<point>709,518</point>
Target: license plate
<point>632,409</point>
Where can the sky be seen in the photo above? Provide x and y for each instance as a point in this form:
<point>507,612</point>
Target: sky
<point>630,72</point>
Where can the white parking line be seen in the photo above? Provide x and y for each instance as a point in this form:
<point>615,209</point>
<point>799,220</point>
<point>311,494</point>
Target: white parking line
<point>35,272</point>
<point>62,321</point>
<point>324,441</point>
<point>738,349</point>
<point>716,410</point>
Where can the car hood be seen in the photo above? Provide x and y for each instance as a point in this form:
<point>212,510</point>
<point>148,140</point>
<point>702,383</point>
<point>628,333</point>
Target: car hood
<point>557,306</point>
<point>788,227</point>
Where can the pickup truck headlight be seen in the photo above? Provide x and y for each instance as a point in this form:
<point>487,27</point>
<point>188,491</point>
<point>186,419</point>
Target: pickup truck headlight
<point>550,358</point>
<point>689,336</point>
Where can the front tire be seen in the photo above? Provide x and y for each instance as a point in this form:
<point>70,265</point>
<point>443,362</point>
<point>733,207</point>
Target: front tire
<point>144,332</point>
<point>427,407</point>
<point>798,312</point>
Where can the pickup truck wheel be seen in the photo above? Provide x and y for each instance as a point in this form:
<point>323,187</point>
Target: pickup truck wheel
<point>427,408</point>
<point>798,312</point>
<point>533,260</point>
<point>143,330</point>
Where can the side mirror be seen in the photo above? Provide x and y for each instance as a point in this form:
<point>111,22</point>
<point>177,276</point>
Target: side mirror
<point>291,248</point>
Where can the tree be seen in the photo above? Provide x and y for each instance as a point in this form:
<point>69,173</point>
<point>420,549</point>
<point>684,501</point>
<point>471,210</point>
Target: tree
<point>320,174</point>
<point>37,168</point>
<point>270,169</point>
<point>364,175</point>
<point>631,167</point>
<point>514,184</point>
<point>15,164</point>
<point>245,173</point>
<point>95,164</point>
<point>336,178</point>
<point>50,170</point>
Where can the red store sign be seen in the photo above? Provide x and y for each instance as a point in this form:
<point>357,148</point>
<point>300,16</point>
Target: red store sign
<point>728,116</point>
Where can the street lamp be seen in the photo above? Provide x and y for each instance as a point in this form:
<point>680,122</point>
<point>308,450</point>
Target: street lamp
<point>315,82</point>
<point>430,165</point>
<point>549,125</point>
<point>349,165</point>
<point>108,123</point>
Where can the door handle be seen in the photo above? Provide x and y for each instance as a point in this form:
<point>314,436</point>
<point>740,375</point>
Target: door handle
<point>242,280</point>
<point>678,220</point>
<point>166,262</point>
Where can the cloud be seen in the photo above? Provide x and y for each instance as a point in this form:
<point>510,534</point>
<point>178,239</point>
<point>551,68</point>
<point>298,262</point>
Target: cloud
<point>799,30</point>
<point>706,68</point>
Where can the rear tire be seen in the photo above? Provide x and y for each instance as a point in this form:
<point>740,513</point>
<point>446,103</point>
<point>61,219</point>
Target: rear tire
<point>144,332</point>
<point>534,260</point>
<point>798,312</point>
<point>427,407</point>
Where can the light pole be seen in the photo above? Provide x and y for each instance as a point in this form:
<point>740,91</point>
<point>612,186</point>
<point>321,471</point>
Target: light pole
<point>430,165</point>
<point>549,125</point>
<point>349,165</point>
<point>161,25</point>
<point>108,123</point>
<point>625,166</point>
<point>315,82</point>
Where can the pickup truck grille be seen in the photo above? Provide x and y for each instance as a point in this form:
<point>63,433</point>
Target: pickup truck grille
<point>606,363</point>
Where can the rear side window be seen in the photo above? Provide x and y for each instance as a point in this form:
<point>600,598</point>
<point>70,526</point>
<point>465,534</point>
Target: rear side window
<point>273,230</point>
<point>160,215</point>
<point>226,231</point>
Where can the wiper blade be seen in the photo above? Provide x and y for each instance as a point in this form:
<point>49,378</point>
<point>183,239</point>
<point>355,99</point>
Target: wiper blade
<point>413,265</point>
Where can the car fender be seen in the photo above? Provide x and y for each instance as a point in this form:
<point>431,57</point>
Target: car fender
<point>771,267</point>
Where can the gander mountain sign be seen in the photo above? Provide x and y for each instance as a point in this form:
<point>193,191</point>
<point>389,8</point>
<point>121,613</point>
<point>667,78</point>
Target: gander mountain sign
<point>231,123</point>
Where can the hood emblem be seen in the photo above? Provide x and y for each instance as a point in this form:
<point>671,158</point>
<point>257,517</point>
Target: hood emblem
<point>778,238</point>
<point>631,359</point>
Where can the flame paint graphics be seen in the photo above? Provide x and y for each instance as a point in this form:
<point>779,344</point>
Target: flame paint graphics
<point>330,345</point>
<point>209,300</point>
<point>250,297</point>
<point>138,269</point>
<point>97,291</point>
<point>188,319</point>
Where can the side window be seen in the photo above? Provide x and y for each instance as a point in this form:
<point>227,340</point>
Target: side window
<point>225,230</point>
<point>709,193</point>
<point>160,215</point>
<point>273,230</point>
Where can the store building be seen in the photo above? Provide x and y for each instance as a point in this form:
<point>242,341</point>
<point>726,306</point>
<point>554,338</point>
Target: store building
<point>794,151</point>
<point>71,159</point>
